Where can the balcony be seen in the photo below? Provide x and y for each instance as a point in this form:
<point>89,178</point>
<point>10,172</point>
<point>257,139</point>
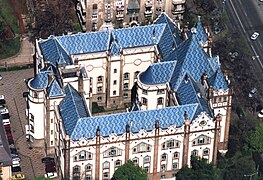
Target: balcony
<point>176,2</point>
<point>148,4</point>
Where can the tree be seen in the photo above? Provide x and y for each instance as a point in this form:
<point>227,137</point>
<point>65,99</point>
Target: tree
<point>200,169</point>
<point>255,139</point>
<point>41,178</point>
<point>130,171</point>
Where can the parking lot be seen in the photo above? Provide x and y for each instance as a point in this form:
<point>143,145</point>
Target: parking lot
<point>12,87</point>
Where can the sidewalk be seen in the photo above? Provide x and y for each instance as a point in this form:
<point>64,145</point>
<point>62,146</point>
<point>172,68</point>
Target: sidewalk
<point>23,57</point>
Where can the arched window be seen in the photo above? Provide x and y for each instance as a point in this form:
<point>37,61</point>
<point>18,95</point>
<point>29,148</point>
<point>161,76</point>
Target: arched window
<point>100,79</point>
<point>126,76</point>
<point>76,172</point>
<point>106,165</point>
<point>194,153</point>
<point>135,160</point>
<point>144,101</point>
<point>88,167</point>
<point>117,164</point>
<point>160,101</point>
<point>136,74</point>
<point>206,152</point>
<point>146,159</point>
<point>164,157</point>
<point>176,155</point>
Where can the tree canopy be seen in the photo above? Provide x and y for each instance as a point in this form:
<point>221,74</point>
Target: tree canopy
<point>200,169</point>
<point>255,139</point>
<point>130,171</point>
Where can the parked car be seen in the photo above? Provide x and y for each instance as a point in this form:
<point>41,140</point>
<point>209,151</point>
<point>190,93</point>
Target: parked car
<point>2,100</point>
<point>252,92</point>
<point>254,36</point>
<point>19,176</point>
<point>16,169</point>
<point>260,114</point>
<point>6,122</point>
<point>7,127</point>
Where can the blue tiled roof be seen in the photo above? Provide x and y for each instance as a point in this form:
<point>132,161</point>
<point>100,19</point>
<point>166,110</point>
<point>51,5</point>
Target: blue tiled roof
<point>86,127</point>
<point>40,80</point>
<point>215,62</point>
<point>139,36</point>
<point>72,108</point>
<point>85,42</point>
<point>52,51</point>
<point>158,73</point>
<point>115,49</point>
<point>188,92</point>
<point>61,60</point>
<point>54,89</point>
<point>163,18</point>
<point>201,35</point>
<point>218,81</point>
<point>191,58</point>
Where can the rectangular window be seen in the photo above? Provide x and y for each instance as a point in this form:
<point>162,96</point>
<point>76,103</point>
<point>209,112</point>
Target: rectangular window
<point>125,86</point>
<point>126,76</point>
<point>51,143</point>
<point>114,92</point>
<point>175,165</point>
<point>115,71</point>
<point>100,79</point>
<point>51,120</point>
<point>225,99</point>
<point>144,91</point>
<point>144,101</point>
<point>114,82</point>
<point>51,132</point>
<point>160,101</point>
<point>147,159</point>
<point>99,89</point>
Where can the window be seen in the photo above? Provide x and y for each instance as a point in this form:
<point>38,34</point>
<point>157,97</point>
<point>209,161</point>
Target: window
<point>51,132</point>
<point>163,167</point>
<point>144,91</point>
<point>114,82</point>
<point>51,143</point>
<point>106,175</point>
<point>125,86</point>
<point>176,155</point>
<point>206,152</point>
<point>31,128</point>
<point>88,167</point>
<point>100,79</point>
<point>99,98</point>
<point>144,101</point>
<point>194,153</point>
<point>175,165</point>
<point>160,101</point>
<point>135,160</point>
<point>160,91</point>
<point>126,76</point>
<point>112,152</point>
<point>215,100</point>
<point>114,92</point>
<point>76,172</point>
<point>164,156</point>
<point>117,164</point>
<point>90,80</point>
<point>115,71</point>
<point>136,74</point>
<point>106,165</point>
<point>51,120</point>
<point>99,89</point>
<point>171,144</point>
<point>88,177</point>
<point>82,155</point>
<point>225,99</point>
<point>125,95</point>
<point>146,168</point>
<point>201,140</point>
<point>146,159</point>
<point>142,147</point>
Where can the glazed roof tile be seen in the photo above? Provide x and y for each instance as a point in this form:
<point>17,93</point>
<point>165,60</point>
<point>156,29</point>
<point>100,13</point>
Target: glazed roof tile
<point>218,81</point>
<point>40,80</point>
<point>72,108</point>
<point>116,123</point>
<point>200,34</point>
<point>158,73</point>
<point>54,89</point>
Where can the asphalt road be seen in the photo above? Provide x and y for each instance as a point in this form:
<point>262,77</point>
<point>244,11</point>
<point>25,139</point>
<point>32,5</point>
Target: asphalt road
<point>247,17</point>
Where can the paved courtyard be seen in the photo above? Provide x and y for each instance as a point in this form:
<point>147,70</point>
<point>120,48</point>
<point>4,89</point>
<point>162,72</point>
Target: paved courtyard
<point>12,87</point>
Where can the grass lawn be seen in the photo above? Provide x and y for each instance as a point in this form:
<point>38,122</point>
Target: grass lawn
<point>8,18</point>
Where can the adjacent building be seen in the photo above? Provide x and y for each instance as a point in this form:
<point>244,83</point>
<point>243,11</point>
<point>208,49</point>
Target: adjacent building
<point>92,14</point>
<point>173,98</point>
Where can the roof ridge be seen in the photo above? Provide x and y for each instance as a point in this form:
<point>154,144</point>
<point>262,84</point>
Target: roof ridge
<point>73,99</point>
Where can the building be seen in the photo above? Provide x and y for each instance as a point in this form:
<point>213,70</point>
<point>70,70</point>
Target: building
<point>92,14</point>
<point>179,99</point>
<point>5,155</point>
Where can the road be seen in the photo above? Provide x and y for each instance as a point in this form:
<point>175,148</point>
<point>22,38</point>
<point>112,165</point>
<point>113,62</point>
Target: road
<point>247,17</point>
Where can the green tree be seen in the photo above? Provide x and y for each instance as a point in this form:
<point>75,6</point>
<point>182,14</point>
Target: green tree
<point>130,171</point>
<point>200,169</point>
<point>255,139</point>
<point>41,178</point>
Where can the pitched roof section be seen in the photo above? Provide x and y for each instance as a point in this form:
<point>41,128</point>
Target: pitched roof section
<point>158,73</point>
<point>214,61</point>
<point>54,89</point>
<point>191,58</point>
<point>52,51</point>
<point>218,81</point>
<point>200,34</point>
<point>72,108</point>
<point>189,92</point>
<point>139,36</point>
<point>86,127</point>
<point>40,80</point>
<point>164,18</point>
<point>115,49</point>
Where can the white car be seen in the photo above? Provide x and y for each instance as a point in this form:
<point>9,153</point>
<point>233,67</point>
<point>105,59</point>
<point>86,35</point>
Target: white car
<point>252,92</point>
<point>260,114</point>
<point>254,36</point>
<point>15,161</point>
